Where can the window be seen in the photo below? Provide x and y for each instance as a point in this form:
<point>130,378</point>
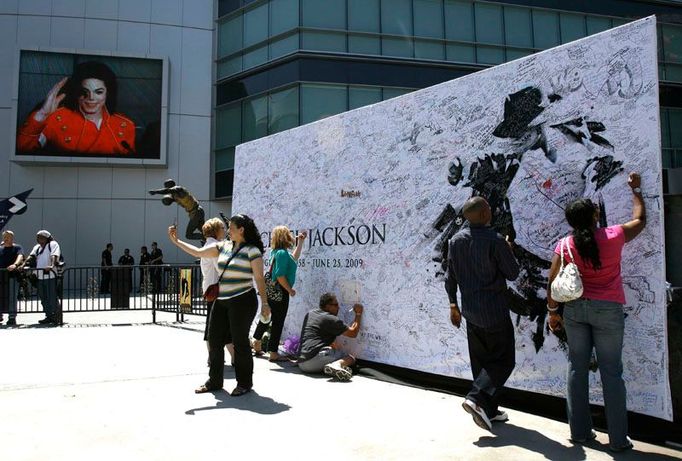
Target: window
<point>572,27</point>
<point>424,49</point>
<point>224,180</point>
<point>489,23</point>
<point>324,41</point>
<point>672,43</point>
<point>283,16</point>
<point>256,25</point>
<point>254,118</point>
<point>596,24</point>
<point>230,36</point>
<point>363,15</point>
<point>359,96</point>
<point>360,44</point>
<point>402,47</point>
<point>284,46</point>
<point>321,101</point>
<point>256,57</point>
<point>460,53</point>
<point>224,159</point>
<point>518,30</point>
<point>428,18</point>
<point>489,54</point>
<point>328,14</point>
<point>229,67</point>
<point>459,21</point>
<point>283,111</point>
<point>395,92</point>
<point>228,127</point>
<point>396,17</point>
<point>545,29</point>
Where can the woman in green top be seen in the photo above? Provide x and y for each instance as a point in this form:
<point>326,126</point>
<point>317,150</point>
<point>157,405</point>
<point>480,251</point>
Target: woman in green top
<point>284,266</point>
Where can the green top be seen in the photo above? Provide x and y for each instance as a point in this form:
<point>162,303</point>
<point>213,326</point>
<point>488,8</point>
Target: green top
<point>285,266</point>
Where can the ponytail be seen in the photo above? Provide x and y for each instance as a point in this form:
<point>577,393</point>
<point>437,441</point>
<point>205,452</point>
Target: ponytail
<point>580,215</point>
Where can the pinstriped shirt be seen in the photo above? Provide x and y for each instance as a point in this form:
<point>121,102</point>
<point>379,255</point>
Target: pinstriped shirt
<point>479,263</point>
<point>237,277</point>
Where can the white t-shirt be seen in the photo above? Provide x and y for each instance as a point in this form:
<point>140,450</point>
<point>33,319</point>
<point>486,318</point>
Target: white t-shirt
<point>209,266</point>
<point>43,258</point>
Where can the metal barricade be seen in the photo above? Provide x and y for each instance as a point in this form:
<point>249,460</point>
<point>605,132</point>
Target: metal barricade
<point>106,289</point>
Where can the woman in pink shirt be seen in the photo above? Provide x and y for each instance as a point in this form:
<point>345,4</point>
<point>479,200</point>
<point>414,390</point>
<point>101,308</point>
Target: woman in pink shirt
<point>596,320</point>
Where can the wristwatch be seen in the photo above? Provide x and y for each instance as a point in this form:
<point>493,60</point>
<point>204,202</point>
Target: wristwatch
<point>637,190</point>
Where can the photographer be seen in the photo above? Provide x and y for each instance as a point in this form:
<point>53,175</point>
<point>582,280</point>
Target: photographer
<point>46,256</point>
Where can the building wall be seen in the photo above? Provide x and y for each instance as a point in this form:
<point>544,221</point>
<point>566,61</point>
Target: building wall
<point>86,207</point>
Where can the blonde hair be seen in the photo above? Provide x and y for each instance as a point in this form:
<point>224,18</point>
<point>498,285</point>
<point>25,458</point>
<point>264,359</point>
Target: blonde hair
<point>281,238</point>
<point>212,227</point>
<point>8,232</point>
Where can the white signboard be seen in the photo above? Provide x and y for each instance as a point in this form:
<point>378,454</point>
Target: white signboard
<point>379,190</point>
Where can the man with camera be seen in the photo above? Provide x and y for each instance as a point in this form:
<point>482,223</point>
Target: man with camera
<point>46,255</point>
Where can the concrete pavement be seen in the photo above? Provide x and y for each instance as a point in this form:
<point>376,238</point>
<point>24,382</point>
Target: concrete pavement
<point>92,390</point>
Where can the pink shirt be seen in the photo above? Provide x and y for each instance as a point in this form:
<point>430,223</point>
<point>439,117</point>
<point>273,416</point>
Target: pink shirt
<point>604,284</point>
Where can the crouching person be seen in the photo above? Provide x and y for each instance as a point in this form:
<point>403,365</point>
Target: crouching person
<point>318,351</point>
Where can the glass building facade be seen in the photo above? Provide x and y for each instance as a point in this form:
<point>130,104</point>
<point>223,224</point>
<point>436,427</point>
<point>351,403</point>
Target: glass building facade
<point>284,63</point>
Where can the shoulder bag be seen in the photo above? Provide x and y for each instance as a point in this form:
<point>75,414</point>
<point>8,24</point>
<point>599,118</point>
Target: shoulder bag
<point>567,285</point>
<point>273,290</point>
<point>213,290</point>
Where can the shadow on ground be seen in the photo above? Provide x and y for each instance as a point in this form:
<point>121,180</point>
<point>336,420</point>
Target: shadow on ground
<point>508,435</point>
<point>249,402</point>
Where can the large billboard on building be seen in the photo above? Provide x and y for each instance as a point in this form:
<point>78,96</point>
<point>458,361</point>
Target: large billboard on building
<point>90,108</point>
<point>379,190</point>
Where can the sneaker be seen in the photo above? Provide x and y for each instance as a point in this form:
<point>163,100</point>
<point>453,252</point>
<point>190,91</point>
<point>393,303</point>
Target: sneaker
<point>338,371</point>
<point>45,320</point>
<point>628,445</point>
<point>476,412</point>
<point>592,436</point>
<point>11,322</point>
<point>500,417</point>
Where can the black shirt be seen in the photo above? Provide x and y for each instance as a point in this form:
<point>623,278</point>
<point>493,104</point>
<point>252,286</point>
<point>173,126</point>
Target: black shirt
<point>320,329</point>
<point>157,254</point>
<point>9,254</point>
<point>106,258</point>
<point>126,260</point>
<point>145,258</point>
<point>479,263</point>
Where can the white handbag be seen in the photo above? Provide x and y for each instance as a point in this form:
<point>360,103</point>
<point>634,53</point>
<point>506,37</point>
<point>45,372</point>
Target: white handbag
<point>567,285</point>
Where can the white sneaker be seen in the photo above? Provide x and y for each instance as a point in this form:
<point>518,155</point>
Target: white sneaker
<point>338,371</point>
<point>476,412</point>
<point>500,417</point>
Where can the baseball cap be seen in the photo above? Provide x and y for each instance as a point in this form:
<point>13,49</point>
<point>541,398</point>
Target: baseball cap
<point>44,233</point>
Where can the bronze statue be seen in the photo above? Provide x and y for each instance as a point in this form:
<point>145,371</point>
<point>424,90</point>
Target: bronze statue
<point>181,196</point>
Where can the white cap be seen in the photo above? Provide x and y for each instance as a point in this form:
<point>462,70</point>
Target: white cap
<point>44,233</point>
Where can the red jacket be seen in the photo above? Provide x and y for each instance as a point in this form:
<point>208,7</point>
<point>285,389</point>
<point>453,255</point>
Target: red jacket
<point>67,131</point>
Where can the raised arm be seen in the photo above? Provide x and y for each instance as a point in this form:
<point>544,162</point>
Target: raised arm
<point>354,327</point>
<point>210,252</point>
<point>633,228</point>
<point>300,238</point>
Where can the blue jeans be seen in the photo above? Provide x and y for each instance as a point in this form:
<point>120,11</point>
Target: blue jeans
<point>598,324</point>
<point>47,292</point>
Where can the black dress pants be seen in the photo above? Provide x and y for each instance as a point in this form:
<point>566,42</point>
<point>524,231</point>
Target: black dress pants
<point>230,320</point>
<point>492,356</point>
<point>279,311</point>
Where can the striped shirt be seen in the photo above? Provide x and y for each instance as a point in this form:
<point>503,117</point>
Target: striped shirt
<point>479,261</point>
<point>238,276</point>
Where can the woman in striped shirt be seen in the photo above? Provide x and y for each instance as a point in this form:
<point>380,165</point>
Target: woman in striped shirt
<point>236,306</point>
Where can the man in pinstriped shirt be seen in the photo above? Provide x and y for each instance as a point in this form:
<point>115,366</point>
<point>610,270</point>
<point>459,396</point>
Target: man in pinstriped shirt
<point>479,264</point>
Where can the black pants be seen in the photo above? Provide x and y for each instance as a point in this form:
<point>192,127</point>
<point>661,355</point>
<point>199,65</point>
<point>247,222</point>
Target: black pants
<point>492,354</point>
<point>105,284</point>
<point>231,320</point>
<point>279,314</point>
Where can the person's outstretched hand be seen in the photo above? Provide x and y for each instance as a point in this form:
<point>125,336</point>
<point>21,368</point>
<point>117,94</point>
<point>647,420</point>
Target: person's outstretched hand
<point>634,180</point>
<point>173,233</point>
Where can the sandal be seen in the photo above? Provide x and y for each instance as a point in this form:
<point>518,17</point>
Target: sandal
<point>204,389</point>
<point>238,391</point>
<point>258,353</point>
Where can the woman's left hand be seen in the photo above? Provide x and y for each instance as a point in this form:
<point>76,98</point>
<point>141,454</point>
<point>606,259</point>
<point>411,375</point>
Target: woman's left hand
<point>302,235</point>
<point>292,292</point>
<point>556,323</point>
